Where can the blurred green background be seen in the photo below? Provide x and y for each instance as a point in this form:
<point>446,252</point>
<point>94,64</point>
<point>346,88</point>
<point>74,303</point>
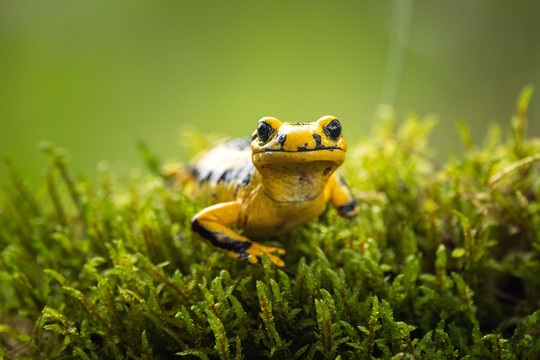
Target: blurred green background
<point>96,76</point>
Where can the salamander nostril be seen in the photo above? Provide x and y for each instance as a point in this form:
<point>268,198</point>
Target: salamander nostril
<point>281,139</point>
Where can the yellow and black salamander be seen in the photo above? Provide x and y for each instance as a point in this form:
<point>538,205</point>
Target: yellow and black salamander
<point>283,177</point>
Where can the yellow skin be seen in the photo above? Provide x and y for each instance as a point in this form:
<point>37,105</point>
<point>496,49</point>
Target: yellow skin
<point>284,179</point>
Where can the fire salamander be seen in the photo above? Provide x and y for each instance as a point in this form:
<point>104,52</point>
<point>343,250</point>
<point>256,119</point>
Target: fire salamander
<point>283,177</point>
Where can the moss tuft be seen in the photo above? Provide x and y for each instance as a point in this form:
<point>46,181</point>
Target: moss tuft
<point>443,262</point>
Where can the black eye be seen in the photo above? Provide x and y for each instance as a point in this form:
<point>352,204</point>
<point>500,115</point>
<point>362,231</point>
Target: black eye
<point>264,131</point>
<point>333,129</point>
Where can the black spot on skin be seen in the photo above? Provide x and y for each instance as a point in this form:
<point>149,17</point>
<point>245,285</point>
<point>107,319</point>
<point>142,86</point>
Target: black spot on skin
<point>203,174</point>
<point>347,209</point>
<point>303,148</point>
<point>192,170</point>
<point>342,181</point>
<point>318,143</point>
<point>226,243</point>
<point>326,171</point>
<point>281,139</point>
<point>206,177</point>
<point>225,176</point>
<point>243,173</point>
<point>246,180</point>
<point>240,174</point>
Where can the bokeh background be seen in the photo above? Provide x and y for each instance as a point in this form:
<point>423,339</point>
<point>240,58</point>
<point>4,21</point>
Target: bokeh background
<point>97,76</point>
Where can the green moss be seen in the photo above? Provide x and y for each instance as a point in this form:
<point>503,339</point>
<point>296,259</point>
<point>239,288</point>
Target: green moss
<point>443,262</point>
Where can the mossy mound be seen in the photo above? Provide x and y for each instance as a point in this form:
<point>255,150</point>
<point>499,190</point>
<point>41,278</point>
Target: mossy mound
<point>443,262</point>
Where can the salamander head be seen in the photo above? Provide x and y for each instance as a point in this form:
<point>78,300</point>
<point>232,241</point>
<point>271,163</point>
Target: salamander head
<point>297,159</point>
<point>279,142</point>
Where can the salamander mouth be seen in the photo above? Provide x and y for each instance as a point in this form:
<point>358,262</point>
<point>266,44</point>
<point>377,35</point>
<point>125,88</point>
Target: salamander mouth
<point>279,156</point>
<point>304,149</point>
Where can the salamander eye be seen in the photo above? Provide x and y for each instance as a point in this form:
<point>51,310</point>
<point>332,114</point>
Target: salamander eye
<point>333,129</point>
<point>264,130</point>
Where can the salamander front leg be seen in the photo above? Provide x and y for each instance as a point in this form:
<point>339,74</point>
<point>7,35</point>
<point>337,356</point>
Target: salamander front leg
<point>211,225</point>
<point>341,197</point>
